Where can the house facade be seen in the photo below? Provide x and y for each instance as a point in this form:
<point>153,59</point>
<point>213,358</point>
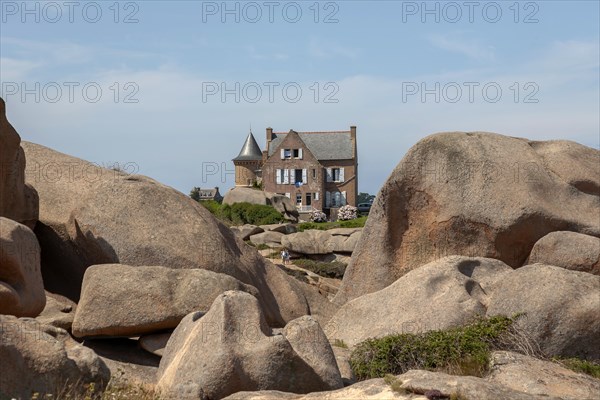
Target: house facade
<point>317,170</point>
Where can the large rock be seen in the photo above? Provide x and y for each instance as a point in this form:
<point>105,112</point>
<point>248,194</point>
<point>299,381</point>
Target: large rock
<point>462,387</point>
<point>230,349</point>
<point>439,295</point>
<point>569,250</point>
<point>245,231</point>
<point>21,286</point>
<point>343,243</point>
<point>530,375</point>
<point>154,298</point>
<point>413,385</point>
<point>561,308</point>
<point>59,312</point>
<point>473,194</point>
<point>269,238</point>
<point>311,241</point>
<point>18,201</point>
<point>36,359</point>
<point>254,196</point>
<point>91,215</point>
<point>372,389</point>
<point>286,229</point>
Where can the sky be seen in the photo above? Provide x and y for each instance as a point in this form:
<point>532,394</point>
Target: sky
<point>170,89</point>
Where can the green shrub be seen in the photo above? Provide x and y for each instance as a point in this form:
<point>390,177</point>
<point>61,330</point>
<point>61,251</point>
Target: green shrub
<point>578,365</point>
<point>333,269</point>
<point>323,226</point>
<point>243,213</point>
<point>463,350</point>
<point>301,276</point>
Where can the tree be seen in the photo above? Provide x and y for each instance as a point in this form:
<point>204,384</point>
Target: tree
<point>365,197</point>
<point>195,194</point>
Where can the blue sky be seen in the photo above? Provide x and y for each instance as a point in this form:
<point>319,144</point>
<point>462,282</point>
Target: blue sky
<point>399,70</point>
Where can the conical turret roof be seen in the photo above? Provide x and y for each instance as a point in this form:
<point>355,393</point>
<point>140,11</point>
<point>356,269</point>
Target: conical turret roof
<point>250,151</point>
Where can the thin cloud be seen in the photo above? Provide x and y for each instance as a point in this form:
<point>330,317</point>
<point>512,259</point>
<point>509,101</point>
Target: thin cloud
<point>467,47</point>
<point>317,48</point>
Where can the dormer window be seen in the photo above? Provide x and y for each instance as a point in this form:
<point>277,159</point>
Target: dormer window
<point>287,154</point>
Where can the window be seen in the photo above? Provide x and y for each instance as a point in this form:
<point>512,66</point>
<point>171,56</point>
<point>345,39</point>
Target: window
<point>287,153</point>
<point>298,175</point>
<point>296,153</point>
<point>335,174</point>
<point>308,199</point>
<point>299,199</point>
<point>314,173</point>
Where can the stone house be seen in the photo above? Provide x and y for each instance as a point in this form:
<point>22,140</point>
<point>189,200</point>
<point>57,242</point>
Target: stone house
<point>317,170</point>
<point>210,194</point>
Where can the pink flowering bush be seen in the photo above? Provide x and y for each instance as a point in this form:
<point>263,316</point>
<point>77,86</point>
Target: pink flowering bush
<point>347,213</point>
<point>317,216</point>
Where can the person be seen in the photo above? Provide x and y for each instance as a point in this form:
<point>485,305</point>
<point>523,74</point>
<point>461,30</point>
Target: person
<point>285,256</point>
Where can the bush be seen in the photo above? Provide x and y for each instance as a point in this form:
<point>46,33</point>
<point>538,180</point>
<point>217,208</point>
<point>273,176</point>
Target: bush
<point>317,216</point>
<point>243,213</point>
<point>323,226</point>
<point>346,213</point>
<point>333,269</point>
<point>575,364</point>
<point>460,351</point>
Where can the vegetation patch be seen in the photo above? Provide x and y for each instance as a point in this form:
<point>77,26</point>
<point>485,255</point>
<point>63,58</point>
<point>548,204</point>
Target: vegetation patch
<point>243,213</point>
<point>333,269</point>
<point>323,226</point>
<point>578,365</point>
<point>301,276</point>
<point>459,351</point>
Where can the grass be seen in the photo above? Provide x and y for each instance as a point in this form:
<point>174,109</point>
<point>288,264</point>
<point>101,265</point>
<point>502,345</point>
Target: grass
<point>460,351</point>
<point>340,343</point>
<point>395,384</point>
<point>578,365</point>
<point>323,226</point>
<point>120,392</point>
<point>333,269</point>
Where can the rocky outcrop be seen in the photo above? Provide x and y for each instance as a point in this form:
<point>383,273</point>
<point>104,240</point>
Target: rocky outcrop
<point>473,194</point>
<point>286,229</point>
<point>18,201</point>
<point>373,389</point>
<point>560,308</point>
<point>245,231</point>
<point>58,312</point>
<point>155,343</point>
<point>462,387</point>
<point>308,242</point>
<point>568,250</point>
<point>156,298</point>
<point>413,385</point>
<point>239,353</point>
<point>439,295</point>
<point>530,375</point>
<point>91,215</point>
<point>254,196</point>
<point>38,358</point>
<point>21,286</point>
<point>342,243</point>
<point>269,238</point>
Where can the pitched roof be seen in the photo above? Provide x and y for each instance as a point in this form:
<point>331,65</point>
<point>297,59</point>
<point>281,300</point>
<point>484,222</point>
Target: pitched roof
<point>335,145</point>
<point>250,151</point>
